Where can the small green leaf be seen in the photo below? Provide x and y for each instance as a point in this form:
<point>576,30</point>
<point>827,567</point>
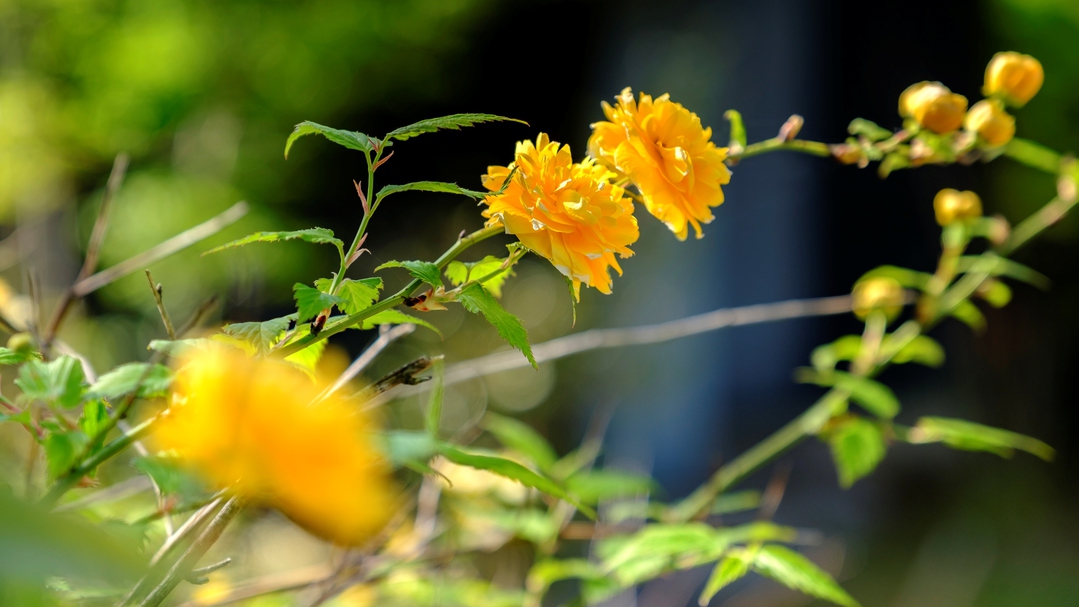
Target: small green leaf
<point>14,357</point>
<point>737,501</point>
<point>312,235</point>
<point>996,293</point>
<point>477,300</point>
<point>824,358</point>
<point>59,381</point>
<point>521,438</point>
<point>922,350</point>
<point>970,436</point>
<point>874,396</point>
<point>908,278</point>
<point>358,294</point>
<point>726,571</point>
<point>310,302</point>
<point>306,359</point>
<point>423,270</point>
<point>62,449</point>
<point>738,128</point>
<point>799,573</point>
<point>434,403</point>
<point>151,382</point>
<point>969,313</point>
<point>595,486</point>
<point>488,271</point>
<point>453,122</point>
<point>405,446</point>
<point>94,418</point>
<point>868,129</point>
<point>442,187</point>
<point>396,317</point>
<point>549,571</point>
<point>168,474</point>
<point>1008,268</point>
<point>857,447</point>
<point>352,140</point>
<point>261,335</point>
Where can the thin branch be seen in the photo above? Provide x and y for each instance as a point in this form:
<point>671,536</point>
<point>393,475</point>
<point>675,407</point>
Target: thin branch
<point>292,579</point>
<point>385,338</point>
<point>160,301</point>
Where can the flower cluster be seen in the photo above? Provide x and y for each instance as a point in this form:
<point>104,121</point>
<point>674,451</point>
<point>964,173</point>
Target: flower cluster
<point>258,427</point>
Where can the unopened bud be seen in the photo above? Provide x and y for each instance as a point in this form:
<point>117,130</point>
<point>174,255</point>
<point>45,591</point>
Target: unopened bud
<point>877,294</point>
<point>952,205</point>
<point>791,128</point>
<point>23,343</point>
<point>1013,76</point>
<point>934,106</point>
<point>989,120</point>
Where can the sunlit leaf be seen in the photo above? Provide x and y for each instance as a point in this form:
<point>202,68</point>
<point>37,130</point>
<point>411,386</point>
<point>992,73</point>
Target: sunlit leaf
<point>824,358</point>
<point>423,270</point>
<point>872,395</point>
<point>62,450</point>
<point>489,271</point>
<point>922,350</point>
<point>726,571</point>
<point>857,447</point>
<point>549,571</point>
<point>357,294</point>
<point>799,573</point>
<point>522,438</point>
<point>396,317</point>
<point>453,122</point>
<point>312,235</point>
<point>310,302</point>
<point>594,486</point>
<point>150,381</point>
<point>868,129</point>
<point>1008,268</point>
<point>971,436</point>
<point>969,314</point>
<point>477,300</point>
<point>431,186</point>
<point>261,335</point>
<point>996,293</point>
<point>14,357</point>
<point>352,140</point>
<point>59,381</point>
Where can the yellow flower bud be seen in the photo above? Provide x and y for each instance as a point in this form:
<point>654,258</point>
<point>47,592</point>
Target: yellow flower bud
<point>1013,76</point>
<point>933,106</point>
<point>952,205</point>
<point>877,294</point>
<point>989,120</point>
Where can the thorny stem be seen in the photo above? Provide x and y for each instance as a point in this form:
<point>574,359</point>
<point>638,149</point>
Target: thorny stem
<point>347,259</point>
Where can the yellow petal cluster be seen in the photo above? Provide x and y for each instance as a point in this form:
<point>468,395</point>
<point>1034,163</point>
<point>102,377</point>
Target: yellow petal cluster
<point>664,151</point>
<point>253,425</point>
<point>568,212</point>
<point>988,119</point>
<point>1013,76</point>
<point>951,205</point>
<point>933,106</point>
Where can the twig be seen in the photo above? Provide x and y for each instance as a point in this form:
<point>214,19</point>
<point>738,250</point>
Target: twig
<point>292,579</point>
<point>192,523</point>
<point>197,318</point>
<point>385,338</point>
<point>159,300</point>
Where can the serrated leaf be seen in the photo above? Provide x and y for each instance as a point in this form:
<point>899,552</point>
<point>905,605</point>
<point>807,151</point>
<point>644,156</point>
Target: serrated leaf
<point>310,302</point>
<point>477,300</point>
<point>62,449</point>
<point>871,130</point>
<point>260,335</point>
<point>442,187</point>
<point>969,314</point>
<point>911,279</point>
<point>824,358</point>
<point>595,486</point>
<point>14,357</point>
<point>726,571</point>
<point>396,317</point>
<point>306,359</point>
<point>151,382</point>
<point>452,122</point>
<point>352,140</point>
<point>971,436</point>
<point>799,573</point>
<point>513,471</point>
<point>357,294</point>
<point>488,271</point>
<point>922,350</point>
<point>95,417</point>
<point>312,235</point>
<point>59,381</point>
<point>423,270</point>
<point>857,447</point>
<point>522,438</point>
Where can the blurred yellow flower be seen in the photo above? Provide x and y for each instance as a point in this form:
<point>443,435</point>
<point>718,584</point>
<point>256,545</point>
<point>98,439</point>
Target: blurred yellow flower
<point>934,106</point>
<point>877,294</point>
<point>568,212</point>
<point>254,425</point>
<point>952,205</point>
<point>1013,76</point>
<point>663,150</point>
<point>989,120</point>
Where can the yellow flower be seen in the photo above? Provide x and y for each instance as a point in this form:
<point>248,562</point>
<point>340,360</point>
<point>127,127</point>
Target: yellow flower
<point>877,294</point>
<point>952,205</point>
<point>568,212</point>
<point>663,150</point>
<point>989,120</point>
<point>934,106</point>
<point>1013,76</point>
<point>253,425</point>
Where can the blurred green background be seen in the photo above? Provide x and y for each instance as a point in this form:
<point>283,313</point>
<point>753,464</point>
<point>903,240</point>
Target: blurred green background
<point>202,95</point>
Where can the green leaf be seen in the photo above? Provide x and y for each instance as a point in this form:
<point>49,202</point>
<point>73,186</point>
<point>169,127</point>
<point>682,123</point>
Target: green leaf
<point>261,335</point>
<point>1008,268</point>
<point>405,446</point>
<point>423,270</point>
<point>151,382</point>
<point>738,128</point>
<point>14,357</point>
<point>310,302</point>
<point>488,271</point>
<point>94,418</point>
<point>62,450</point>
<point>869,129</point>
<point>726,571</point>
<point>970,436</point>
<point>352,140</point>
<point>737,501</point>
<point>312,235</point>
<point>170,476</point>
<point>396,317</point>
<point>996,293</point>
<point>799,573</point>
<point>306,359</point>
<point>434,403</point>
<point>442,187</point>
<point>911,279</point>
<point>922,350</point>
<point>549,571</point>
<point>453,122</point>
<point>521,438</point>
<point>59,381</point>
<point>359,294</point>
<point>872,395</point>
<point>595,486</point>
<point>857,447</point>
<point>477,300</point>
<point>969,313</point>
<point>513,471</point>
<point>824,358</point>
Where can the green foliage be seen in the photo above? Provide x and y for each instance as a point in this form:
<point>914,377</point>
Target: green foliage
<point>729,569</point>
<point>868,129</point>
<point>737,501</point>
<point>62,451</point>
<point>969,314</point>
<point>434,403</point>
<point>971,436</point>
<point>57,382</point>
<point>423,270</point>
<point>1007,268</point>
<point>310,302</point>
<point>94,418</point>
<point>548,571</point>
<point>408,446</point>
<point>477,300</point>
<point>872,395</point>
<point>357,294</point>
<point>306,359</point>
<point>14,357</point>
<point>431,186</point>
<point>857,447</point>
<point>825,357</point>
<point>520,438</point>
<point>595,486</point>
<point>171,478</point>
<point>147,381</point>
<point>260,335</point>
<point>312,235</point>
<point>738,127</point>
<point>352,140</point>
<point>488,271</point>
<point>452,122</point>
<point>396,317</point>
<point>996,293</point>
<point>923,350</point>
<point>799,573</point>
